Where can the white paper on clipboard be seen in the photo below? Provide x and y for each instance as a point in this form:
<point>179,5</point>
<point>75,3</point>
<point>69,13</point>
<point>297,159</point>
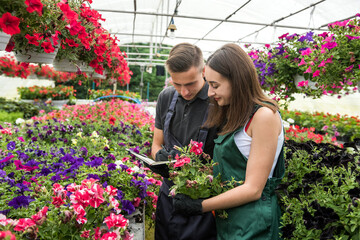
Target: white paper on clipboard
<point>149,160</point>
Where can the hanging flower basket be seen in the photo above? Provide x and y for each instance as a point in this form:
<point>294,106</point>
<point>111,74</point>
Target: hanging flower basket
<point>36,57</point>
<point>4,40</point>
<point>67,66</point>
<point>98,76</point>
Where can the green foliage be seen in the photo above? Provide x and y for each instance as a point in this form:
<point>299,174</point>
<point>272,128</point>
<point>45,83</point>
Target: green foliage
<point>13,108</point>
<point>10,117</point>
<point>320,192</point>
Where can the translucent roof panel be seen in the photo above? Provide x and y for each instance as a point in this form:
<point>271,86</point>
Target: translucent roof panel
<point>212,23</point>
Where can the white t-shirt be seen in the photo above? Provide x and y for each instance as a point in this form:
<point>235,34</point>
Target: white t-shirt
<point>243,142</point>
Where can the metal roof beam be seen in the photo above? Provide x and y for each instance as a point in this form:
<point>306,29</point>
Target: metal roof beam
<point>190,38</point>
<point>209,19</point>
<point>280,19</point>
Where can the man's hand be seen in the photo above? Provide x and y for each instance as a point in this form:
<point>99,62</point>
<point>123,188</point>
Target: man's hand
<point>187,206</point>
<point>163,169</point>
<point>163,155</point>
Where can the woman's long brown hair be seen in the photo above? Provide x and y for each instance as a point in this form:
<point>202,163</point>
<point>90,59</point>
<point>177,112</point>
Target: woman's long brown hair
<point>233,63</point>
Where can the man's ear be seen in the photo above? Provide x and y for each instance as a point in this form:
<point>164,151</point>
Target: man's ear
<point>203,72</point>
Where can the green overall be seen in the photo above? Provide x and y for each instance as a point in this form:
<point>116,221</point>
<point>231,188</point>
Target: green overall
<point>255,220</point>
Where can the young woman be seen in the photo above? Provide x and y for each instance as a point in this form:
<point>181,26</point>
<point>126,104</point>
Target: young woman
<point>249,148</point>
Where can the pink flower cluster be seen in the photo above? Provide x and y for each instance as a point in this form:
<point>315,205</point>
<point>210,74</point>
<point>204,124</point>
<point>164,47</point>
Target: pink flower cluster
<point>196,147</point>
<point>115,110</point>
<point>25,224</point>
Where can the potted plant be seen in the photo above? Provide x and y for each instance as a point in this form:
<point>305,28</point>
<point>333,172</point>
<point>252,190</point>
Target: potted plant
<point>34,93</point>
<point>78,38</point>
<point>314,64</point>
<point>40,23</point>
<point>60,95</point>
<point>334,61</point>
<point>87,46</point>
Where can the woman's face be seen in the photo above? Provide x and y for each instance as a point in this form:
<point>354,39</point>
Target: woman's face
<point>219,86</point>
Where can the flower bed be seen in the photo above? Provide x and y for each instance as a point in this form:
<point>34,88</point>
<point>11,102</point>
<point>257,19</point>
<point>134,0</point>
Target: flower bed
<point>343,127</point>
<point>72,178</point>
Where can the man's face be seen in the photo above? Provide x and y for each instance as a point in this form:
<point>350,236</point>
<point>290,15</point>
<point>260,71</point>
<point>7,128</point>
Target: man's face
<point>188,83</point>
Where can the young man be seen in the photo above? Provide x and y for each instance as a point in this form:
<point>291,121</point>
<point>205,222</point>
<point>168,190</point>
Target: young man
<point>181,110</point>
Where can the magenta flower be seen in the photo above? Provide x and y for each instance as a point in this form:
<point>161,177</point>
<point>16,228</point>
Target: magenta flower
<point>307,51</point>
<point>349,69</point>
<point>302,62</point>
<point>303,83</point>
<point>322,64</point>
<point>196,147</point>
<point>316,73</point>
<point>308,70</point>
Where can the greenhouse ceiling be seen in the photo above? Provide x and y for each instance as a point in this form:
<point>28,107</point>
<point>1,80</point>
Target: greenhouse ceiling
<point>211,23</point>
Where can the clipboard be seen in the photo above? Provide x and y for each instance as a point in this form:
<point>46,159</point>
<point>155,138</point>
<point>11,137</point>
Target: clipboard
<point>149,161</point>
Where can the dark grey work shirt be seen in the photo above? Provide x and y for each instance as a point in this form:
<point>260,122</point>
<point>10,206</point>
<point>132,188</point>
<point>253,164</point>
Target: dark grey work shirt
<point>188,116</point>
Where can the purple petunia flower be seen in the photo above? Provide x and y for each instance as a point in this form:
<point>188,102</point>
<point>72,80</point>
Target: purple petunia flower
<point>20,201</point>
<point>11,146</point>
<point>127,206</point>
<point>120,194</point>
<point>123,167</point>
<point>5,212</point>
<point>22,156</point>
<point>2,173</point>
<point>93,176</point>
<point>83,151</point>
<point>22,188</point>
<point>111,166</point>
<point>96,161</point>
<point>45,171</point>
<point>55,178</point>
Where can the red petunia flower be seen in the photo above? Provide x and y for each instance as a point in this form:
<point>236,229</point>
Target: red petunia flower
<point>69,14</point>
<point>112,120</point>
<point>48,47</point>
<point>9,24</point>
<point>10,46</point>
<point>34,6</point>
<point>32,39</point>
<point>71,43</point>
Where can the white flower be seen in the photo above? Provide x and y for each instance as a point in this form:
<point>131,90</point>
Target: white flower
<point>19,121</point>
<point>286,124</point>
<point>79,134</point>
<point>290,120</point>
<point>136,169</point>
<point>118,163</point>
<point>94,134</point>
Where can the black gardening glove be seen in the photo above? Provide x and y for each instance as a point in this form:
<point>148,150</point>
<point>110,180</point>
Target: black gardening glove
<point>163,155</point>
<point>187,206</point>
<point>162,169</point>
